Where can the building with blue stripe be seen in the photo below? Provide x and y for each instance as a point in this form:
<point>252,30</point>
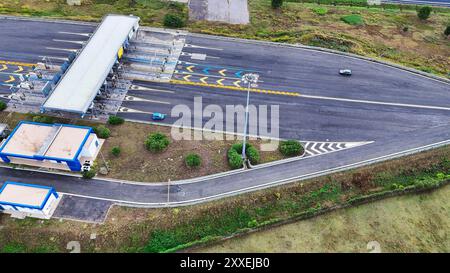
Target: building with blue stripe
<point>53,146</point>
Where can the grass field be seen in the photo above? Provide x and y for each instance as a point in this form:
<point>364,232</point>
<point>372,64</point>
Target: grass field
<point>413,223</point>
<point>168,229</point>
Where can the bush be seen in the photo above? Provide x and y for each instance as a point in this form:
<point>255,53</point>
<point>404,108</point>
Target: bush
<point>277,4</point>
<point>157,142</point>
<point>320,10</point>
<point>447,31</point>
<point>2,105</point>
<point>424,13</point>
<point>173,20</point>
<point>115,120</point>
<point>291,148</point>
<point>116,151</point>
<point>89,174</point>
<point>234,159</point>
<point>102,131</point>
<point>250,151</point>
<point>353,19</point>
<point>193,160</point>
<point>43,119</point>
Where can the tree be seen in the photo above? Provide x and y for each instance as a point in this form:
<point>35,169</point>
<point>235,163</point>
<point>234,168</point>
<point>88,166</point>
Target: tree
<point>424,13</point>
<point>115,120</point>
<point>116,151</point>
<point>447,31</point>
<point>89,174</point>
<point>2,105</point>
<point>102,131</point>
<point>291,148</point>
<point>173,20</point>
<point>157,142</point>
<point>43,119</point>
<point>276,4</point>
<point>193,160</point>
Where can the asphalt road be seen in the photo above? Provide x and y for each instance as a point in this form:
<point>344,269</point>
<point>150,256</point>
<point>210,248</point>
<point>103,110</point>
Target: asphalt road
<point>442,3</point>
<point>396,109</point>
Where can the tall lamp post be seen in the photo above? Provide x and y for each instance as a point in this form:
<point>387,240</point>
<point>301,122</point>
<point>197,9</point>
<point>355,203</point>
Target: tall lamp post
<point>251,79</point>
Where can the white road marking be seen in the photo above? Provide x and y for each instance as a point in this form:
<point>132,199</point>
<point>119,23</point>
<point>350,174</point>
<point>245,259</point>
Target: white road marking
<point>137,87</point>
<point>204,47</point>
<point>69,41</point>
<point>134,98</point>
<point>377,102</point>
<point>62,49</point>
<point>75,33</point>
<point>56,58</point>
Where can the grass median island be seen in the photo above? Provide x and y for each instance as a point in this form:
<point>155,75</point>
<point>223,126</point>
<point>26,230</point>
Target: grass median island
<point>170,229</point>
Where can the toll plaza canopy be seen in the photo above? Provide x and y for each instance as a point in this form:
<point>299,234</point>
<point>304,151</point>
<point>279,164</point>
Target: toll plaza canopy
<point>83,78</point>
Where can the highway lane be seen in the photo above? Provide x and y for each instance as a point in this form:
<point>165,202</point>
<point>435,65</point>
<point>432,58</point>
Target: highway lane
<point>394,128</point>
<point>439,3</point>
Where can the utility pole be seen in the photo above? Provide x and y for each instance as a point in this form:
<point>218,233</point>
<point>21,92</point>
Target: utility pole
<point>250,79</point>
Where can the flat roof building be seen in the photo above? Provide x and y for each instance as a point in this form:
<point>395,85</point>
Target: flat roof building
<point>21,200</point>
<point>82,80</point>
<point>59,146</point>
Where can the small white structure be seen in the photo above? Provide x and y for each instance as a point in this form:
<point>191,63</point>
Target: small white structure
<point>52,146</point>
<point>27,200</point>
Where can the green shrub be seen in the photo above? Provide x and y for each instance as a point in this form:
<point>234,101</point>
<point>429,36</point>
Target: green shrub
<point>291,148</point>
<point>193,160</point>
<point>277,4</point>
<point>173,20</point>
<point>353,19</point>
<point>251,152</point>
<point>447,31</point>
<point>115,120</point>
<point>2,105</point>
<point>116,151</point>
<point>44,119</point>
<point>424,13</point>
<point>234,159</point>
<point>157,142</point>
<point>320,10</point>
<point>102,131</point>
<point>89,174</point>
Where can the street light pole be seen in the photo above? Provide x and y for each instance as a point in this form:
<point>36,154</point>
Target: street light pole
<point>249,79</point>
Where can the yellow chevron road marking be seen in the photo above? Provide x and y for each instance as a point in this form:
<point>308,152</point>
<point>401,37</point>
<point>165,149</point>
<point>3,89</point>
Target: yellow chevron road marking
<point>186,78</point>
<point>189,68</point>
<point>203,80</point>
<point>222,72</point>
<point>235,88</point>
<point>236,83</point>
<point>4,67</point>
<point>16,63</point>
<point>11,79</point>
<point>220,81</point>
<point>20,69</point>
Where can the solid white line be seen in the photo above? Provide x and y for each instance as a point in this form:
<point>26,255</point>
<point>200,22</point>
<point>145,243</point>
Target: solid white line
<point>75,33</point>
<point>141,99</point>
<point>142,88</point>
<point>269,184</point>
<point>69,41</point>
<point>56,58</point>
<point>377,102</point>
<point>62,49</point>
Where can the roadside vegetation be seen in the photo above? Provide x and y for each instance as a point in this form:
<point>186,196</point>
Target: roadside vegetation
<point>170,229</point>
<point>389,32</point>
<point>147,153</point>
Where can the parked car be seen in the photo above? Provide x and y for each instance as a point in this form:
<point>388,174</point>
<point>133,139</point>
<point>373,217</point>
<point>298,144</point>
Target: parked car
<point>158,116</point>
<point>345,72</point>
